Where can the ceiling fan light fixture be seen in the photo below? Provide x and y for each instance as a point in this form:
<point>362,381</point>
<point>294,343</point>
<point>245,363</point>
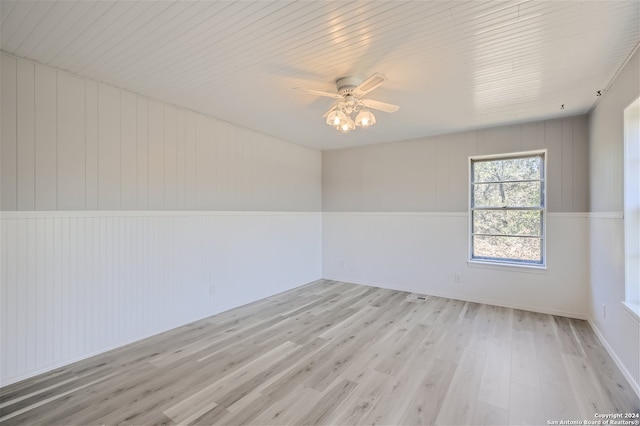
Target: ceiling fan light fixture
<point>336,118</point>
<point>351,102</point>
<point>365,118</point>
<point>346,126</point>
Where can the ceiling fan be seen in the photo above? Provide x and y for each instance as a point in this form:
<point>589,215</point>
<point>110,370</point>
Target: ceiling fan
<point>350,100</point>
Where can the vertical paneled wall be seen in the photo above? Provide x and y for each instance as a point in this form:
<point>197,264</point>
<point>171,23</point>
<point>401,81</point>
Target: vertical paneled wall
<point>123,217</point>
<point>431,174</point>
<point>69,143</point>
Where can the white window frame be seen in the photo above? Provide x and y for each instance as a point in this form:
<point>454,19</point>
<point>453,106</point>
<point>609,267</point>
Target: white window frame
<point>632,207</point>
<point>543,208</point>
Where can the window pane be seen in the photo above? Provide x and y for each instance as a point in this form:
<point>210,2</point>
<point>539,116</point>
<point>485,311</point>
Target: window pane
<point>507,222</point>
<point>514,194</point>
<point>507,169</point>
<point>508,248</point>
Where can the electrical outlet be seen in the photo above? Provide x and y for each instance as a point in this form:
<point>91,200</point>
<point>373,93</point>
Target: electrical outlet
<point>212,290</point>
<point>456,278</point>
<point>604,311</point>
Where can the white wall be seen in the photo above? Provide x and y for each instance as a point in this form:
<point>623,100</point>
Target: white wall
<point>119,214</point>
<point>396,216</point>
<point>619,329</point>
<point>79,283</point>
<point>422,253</point>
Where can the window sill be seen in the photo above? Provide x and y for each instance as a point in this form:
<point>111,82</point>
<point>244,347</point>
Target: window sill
<point>530,269</point>
<point>633,309</point>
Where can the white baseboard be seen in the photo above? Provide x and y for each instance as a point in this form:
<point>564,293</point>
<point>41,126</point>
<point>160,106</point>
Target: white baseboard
<point>635,386</point>
<point>501,304</point>
<point>67,362</point>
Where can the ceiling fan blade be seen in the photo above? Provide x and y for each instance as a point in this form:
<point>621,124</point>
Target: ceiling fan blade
<point>330,109</point>
<point>369,84</point>
<point>382,106</point>
<point>319,93</point>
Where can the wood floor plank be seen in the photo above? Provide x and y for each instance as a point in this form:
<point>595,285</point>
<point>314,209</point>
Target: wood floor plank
<point>349,300</point>
<point>425,404</point>
<point>525,405</point>
<point>459,403</point>
<point>524,363</point>
<point>372,388</point>
<point>259,403</point>
<point>567,337</point>
<point>327,320</point>
<point>233,393</point>
<point>454,341</point>
<point>208,418</point>
<point>487,414</point>
<point>326,406</point>
<point>338,353</point>
<point>584,382</point>
<point>287,408</point>
<point>451,311</point>
<point>225,386</point>
<point>496,378</point>
<point>351,324</point>
<point>401,350</point>
<point>559,403</point>
<point>400,389</point>
<point>43,406</point>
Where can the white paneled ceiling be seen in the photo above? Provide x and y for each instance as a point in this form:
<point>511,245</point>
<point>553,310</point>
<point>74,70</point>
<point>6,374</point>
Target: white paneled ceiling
<point>450,65</point>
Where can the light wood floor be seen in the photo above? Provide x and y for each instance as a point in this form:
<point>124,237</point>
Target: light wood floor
<point>337,353</point>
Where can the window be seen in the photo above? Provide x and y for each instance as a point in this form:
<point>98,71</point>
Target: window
<point>507,209</point>
<point>632,206</point>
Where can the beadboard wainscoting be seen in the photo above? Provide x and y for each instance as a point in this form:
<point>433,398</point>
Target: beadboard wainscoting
<point>428,252</point>
<point>615,325</point>
<point>75,284</point>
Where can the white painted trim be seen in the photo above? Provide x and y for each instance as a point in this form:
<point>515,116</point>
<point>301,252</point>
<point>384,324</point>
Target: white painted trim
<point>513,267</point>
<point>568,215</point>
<point>472,299</point>
<point>606,215</point>
<point>424,214</point>
<point>561,215</point>
<point>633,309</point>
<point>508,155</point>
<point>181,213</point>
<point>635,386</point>
<point>141,213</point>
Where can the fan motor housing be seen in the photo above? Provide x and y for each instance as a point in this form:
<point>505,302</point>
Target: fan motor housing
<point>347,84</point>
